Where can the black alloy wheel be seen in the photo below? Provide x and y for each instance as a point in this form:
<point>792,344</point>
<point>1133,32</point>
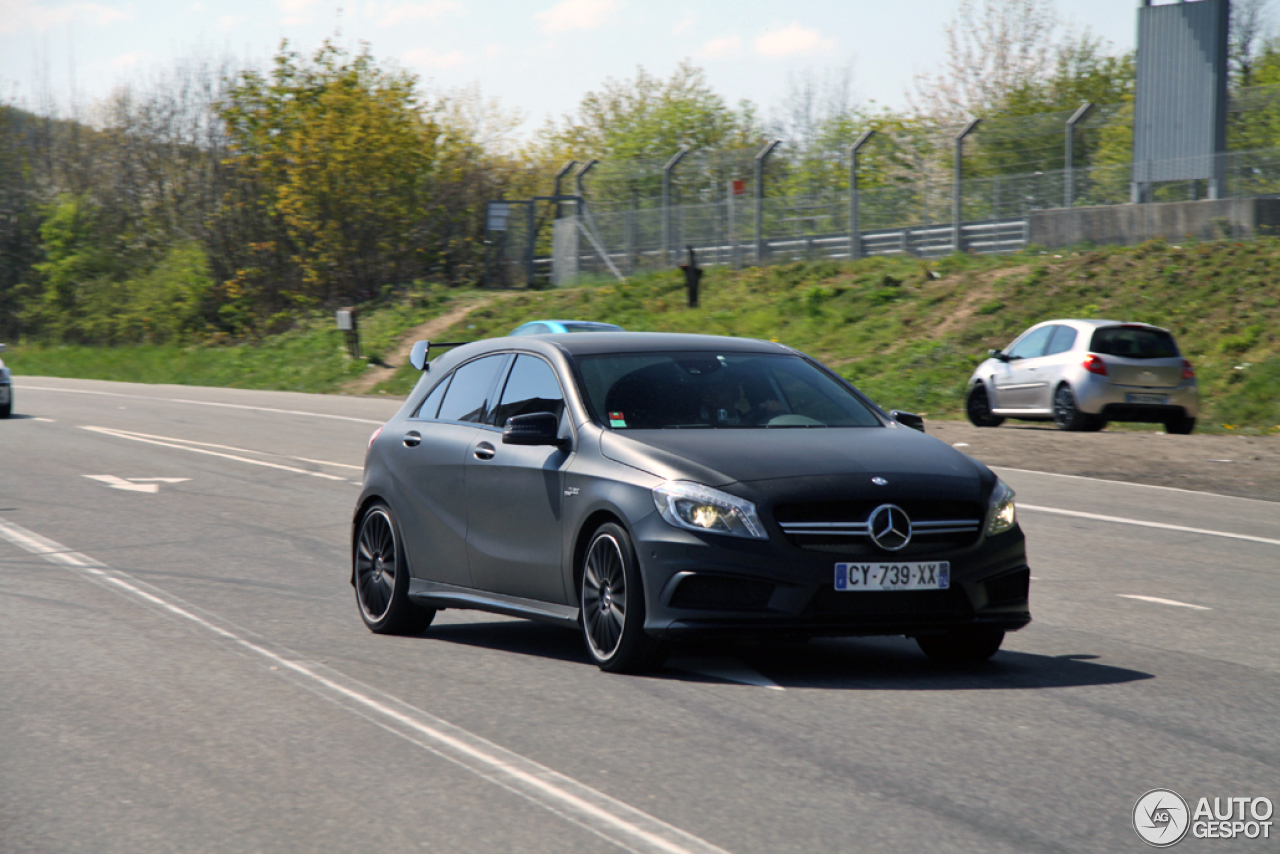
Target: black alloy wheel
<point>382,578</point>
<point>977,406</point>
<point>611,605</point>
<point>962,646</point>
<point>1180,426</point>
<point>1068,417</point>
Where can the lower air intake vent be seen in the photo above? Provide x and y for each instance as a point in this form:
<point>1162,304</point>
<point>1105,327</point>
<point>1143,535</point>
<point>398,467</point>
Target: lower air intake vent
<point>722,593</point>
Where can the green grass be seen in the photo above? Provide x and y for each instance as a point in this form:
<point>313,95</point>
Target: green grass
<point>908,339</point>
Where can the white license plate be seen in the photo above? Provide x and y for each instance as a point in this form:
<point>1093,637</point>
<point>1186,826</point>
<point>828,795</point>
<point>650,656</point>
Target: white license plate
<point>1146,398</point>
<point>914,575</point>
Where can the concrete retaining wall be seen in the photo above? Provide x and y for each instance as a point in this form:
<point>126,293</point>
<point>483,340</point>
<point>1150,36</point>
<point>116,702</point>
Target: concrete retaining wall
<point>1124,224</point>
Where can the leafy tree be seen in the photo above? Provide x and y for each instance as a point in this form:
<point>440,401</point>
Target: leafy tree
<point>340,153</point>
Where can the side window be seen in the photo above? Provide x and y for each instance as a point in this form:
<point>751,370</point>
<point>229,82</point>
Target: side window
<point>468,396</point>
<point>531,387</point>
<point>1064,338</point>
<point>1031,345</point>
<point>427,411</point>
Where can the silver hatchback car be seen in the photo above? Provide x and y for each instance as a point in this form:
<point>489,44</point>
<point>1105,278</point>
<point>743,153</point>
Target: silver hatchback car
<point>1083,373</point>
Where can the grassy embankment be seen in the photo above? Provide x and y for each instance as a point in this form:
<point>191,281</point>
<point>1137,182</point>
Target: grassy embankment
<point>906,338</point>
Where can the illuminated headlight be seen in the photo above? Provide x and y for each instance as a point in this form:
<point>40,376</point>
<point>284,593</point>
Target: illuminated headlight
<point>701,508</point>
<point>1001,515</point>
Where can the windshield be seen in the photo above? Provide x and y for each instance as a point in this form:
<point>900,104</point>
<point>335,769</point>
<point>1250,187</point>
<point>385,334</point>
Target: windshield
<point>647,391</point>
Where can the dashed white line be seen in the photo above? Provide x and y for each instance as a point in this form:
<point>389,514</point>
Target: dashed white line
<point>184,445</point>
<point>1142,523</point>
<point>1160,601</point>
<point>608,818</point>
<point>205,403</point>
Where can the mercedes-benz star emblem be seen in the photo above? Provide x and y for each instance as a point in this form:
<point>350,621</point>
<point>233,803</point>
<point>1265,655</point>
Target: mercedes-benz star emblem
<point>890,527</point>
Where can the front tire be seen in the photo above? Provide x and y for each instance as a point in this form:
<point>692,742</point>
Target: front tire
<point>381,576</point>
<point>962,646</point>
<point>977,406</point>
<point>611,605</point>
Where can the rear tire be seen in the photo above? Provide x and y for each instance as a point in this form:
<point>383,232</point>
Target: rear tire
<point>611,605</point>
<point>962,646</point>
<point>1181,426</point>
<point>381,576</point>
<point>977,406</point>
<point>1068,416</point>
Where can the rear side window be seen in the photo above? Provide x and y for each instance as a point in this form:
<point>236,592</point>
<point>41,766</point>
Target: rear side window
<point>1032,344</point>
<point>468,396</point>
<point>1133,342</point>
<point>1064,338</point>
<point>531,387</point>
<point>431,405</point>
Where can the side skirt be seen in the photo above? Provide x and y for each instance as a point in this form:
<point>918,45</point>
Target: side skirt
<point>433,594</point>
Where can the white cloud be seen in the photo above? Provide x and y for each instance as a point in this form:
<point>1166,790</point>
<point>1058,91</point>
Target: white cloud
<point>791,40</point>
<point>429,58</point>
<point>18,15</point>
<point>722,46</point>
<point>227,22</point>
<point>684,25</point>
<point>129,60</point>
<point>492,51</point>
<point>402,12</point>
<point>296,11</point>
<point>577,15</point>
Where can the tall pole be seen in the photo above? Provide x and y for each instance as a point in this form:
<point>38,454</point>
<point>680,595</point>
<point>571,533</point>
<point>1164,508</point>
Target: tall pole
<point>564,170</point>
<point>666,203</point>
<point>957,188</point>
<point>855,227</point>
<point>761,157</point>
<point>1069,158</point>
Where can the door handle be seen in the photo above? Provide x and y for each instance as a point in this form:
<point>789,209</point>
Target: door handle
<point>412,438</point>
<point>484,451</point>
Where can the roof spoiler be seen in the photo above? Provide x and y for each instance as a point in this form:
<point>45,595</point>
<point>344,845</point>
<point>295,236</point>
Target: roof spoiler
<point>418,356</point>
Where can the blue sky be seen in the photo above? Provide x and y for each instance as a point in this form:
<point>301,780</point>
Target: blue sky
<point>538,56</point>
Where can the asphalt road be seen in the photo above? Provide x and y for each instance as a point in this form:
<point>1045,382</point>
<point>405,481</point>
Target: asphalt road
<point>182,668</point>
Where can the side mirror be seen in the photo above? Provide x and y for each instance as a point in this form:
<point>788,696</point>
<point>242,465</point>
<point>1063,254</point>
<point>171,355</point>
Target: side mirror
<point>535,428</point>
<point>907,419</point>
<point>418,355</point>
<point>998,354</point>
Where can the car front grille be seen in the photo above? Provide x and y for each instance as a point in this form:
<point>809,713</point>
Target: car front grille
<point>841,527</point>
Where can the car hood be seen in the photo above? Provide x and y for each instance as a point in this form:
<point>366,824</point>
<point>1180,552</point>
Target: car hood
<point>798,460</point>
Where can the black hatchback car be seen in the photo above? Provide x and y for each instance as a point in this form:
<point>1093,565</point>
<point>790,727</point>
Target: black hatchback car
<point>647,487</point>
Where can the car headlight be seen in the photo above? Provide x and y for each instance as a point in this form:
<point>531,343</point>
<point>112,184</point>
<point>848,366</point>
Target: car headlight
<point>701,508</point>
<point>1001,515</point>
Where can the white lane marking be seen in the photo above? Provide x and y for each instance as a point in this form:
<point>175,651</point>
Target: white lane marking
<point>49,420</point>
<point>728,669</point>
<point>173,443</point>
<point>205,403</point>
<point>1160,601</point>
<point>120,483</point>
<point>610,819</point>
<point>158,479</point>
<point>1130,483</point>
<point>1142,523</point>
<point>182,441</point>
<point>959,444</point>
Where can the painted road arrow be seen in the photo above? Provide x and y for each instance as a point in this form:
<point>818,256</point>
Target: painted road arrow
<point>135,484</point>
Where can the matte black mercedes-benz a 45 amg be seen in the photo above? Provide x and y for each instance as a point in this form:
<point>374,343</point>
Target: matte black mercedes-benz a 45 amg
<point>646,487</point>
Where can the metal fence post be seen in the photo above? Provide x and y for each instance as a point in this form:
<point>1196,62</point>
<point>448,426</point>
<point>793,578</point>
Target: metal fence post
<point>761,157</point>
<point>957,192</point>
<point>564,170</point>
<point>666,204</point>
<point>1069,157</point>
<point>855,228</point>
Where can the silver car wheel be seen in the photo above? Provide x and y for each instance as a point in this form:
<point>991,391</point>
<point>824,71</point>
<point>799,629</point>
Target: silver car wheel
<point>376,565</point>
<point>604,596</point>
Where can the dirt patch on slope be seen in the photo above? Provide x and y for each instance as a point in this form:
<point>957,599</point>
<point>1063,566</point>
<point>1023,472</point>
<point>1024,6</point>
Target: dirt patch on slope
<point>981,290</point>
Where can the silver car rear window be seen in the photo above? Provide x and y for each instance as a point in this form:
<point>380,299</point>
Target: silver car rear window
<point>1133,342</point>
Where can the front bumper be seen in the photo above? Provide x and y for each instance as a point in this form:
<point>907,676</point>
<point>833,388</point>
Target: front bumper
<point>708,585</point>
